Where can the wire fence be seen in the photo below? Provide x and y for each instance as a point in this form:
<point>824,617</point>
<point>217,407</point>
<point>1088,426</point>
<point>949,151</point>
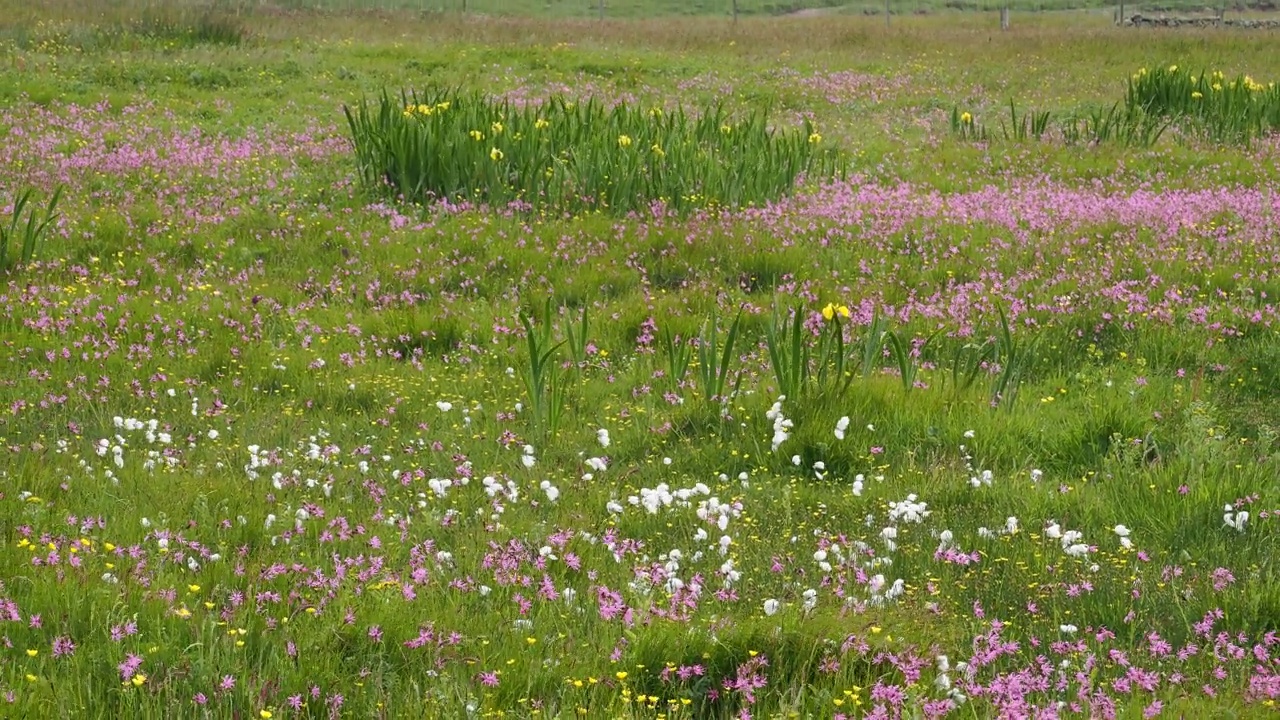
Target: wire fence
<point>658,8</point>
<point>633,9</point>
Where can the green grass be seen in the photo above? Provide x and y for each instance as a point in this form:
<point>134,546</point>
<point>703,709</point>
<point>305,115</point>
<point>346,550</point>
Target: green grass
<point>343,382</point>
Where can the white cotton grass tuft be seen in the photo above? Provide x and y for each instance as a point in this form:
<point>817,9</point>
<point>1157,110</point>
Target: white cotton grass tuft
<point>553,493</point>
<point>1233,519</point>
<point>781,425</point>
<point>1123,533</point>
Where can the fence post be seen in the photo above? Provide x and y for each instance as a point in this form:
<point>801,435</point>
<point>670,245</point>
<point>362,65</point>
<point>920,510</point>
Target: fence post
<point>1121,13</point>
<point>886,13</point>
<point>1004,17</point>
<point>735,12</point>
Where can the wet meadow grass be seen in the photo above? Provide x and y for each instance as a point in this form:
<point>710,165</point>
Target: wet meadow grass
<point>986,427</point>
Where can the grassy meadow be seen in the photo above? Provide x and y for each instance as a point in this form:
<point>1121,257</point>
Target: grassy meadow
<point>401,365</point>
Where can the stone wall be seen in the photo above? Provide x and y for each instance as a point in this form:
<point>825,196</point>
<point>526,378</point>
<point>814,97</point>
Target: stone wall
<point>1201,22</point>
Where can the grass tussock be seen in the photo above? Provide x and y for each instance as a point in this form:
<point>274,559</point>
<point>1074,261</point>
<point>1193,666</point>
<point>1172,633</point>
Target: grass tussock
<point>578,156</point>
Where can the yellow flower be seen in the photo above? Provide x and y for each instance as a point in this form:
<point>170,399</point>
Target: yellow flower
<point>541,124</point>
<point>31,678</point>
<point>495,154</point>
<point>497,128</point>
<point>815,138</point>
<point>1196,95</point>
<point>264,714</point>
<point>33,652</point>
<point>138,680</point>
<point>442,106</point>
<point>966,118</point>
<point>424,109</point>
<point>1173,68</point>
<point>1217,86</point>
<point>843,310</point>
<point>194,588</point>
<point>657,150</point>
<point>476,135</point>
<point>829,311</point>
<point>621,675</point>
<point>624,141</point>
<point>726,129</point>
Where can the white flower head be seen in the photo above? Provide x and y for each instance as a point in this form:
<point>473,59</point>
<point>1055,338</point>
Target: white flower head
<point>553,493</point>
